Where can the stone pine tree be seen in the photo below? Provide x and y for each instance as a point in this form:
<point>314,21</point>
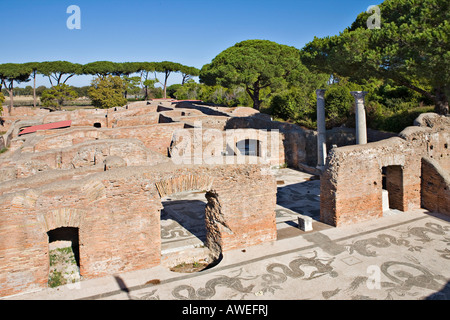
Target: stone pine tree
<point>167,67</point>
<point>34,66</point>
<point>254,64</point>
<point>188,73</point>
<point>101,68</point>
<point>146,68</point>
<point>10,73</point>
<point>59,71</point>
<point>411,47</point>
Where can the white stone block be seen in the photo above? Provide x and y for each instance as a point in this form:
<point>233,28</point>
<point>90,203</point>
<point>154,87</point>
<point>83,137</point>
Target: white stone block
<point>385,200</point>
<point>305,223</point>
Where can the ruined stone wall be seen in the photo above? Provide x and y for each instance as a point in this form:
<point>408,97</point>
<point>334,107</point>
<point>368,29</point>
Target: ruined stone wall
<point>293,137</point>
<point>351,185</point>
<point>248,219</point>
<point>117,214</point>
<point>19,113</point>
<point>85,154</point>
<point>147,119</point>
<point>156,137</point>
<point>107,221</point>
<point>147,112</point>
<point>435,190</point>
<point>199,145</point>
<point>64,138</point>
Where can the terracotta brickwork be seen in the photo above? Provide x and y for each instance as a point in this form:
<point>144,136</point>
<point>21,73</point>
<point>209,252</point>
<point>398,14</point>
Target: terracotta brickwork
<point>103,178</point>
<point>118,216</point>
<point>351,185</point>
<point>435,187</point>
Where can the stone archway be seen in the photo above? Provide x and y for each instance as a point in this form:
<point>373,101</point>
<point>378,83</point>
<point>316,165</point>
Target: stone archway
<point>64,224</point>
<point>62,217</point>
<point>176,187</point>
<point>64,256</point>
<point>184,182</point>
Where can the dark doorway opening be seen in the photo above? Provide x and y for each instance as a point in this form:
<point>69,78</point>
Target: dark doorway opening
<point>67,234</point>
<point>392,184</point>
<point>64,256</point>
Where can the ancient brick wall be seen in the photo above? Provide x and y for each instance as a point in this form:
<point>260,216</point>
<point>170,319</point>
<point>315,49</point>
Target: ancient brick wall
<point>66,138</point>
<point>352,183</point>
<point>200,145</point>
<point>155,137</point>
<point>435,190</point>
<point>235,222</point>
<point>148,119</point>
<point>85,154</point>
<point>117,214</point>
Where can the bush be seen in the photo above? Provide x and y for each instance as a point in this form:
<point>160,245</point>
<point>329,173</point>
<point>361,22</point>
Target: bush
<point>282,106</point>
<point>399,120</point>
<point>213,94</point>
<point>108,92</point>
<point>55,97</point>
<point>294,104</point>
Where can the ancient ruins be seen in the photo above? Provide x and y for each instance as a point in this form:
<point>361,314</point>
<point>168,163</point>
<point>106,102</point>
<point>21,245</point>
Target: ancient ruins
<point>100,177</point>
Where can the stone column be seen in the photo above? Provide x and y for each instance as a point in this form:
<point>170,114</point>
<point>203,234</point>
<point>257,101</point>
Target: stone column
<point>361,128</point>
<point>321,129</point>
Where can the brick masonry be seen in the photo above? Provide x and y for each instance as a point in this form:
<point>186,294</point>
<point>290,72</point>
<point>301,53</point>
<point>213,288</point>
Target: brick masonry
<point>351,185</point>
<point>435,189</point>
<point>118,216</point>
<point>107,182</point>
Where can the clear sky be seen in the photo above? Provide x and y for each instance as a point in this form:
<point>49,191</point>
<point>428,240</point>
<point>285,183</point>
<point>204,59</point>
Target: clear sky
<point>191,32</point>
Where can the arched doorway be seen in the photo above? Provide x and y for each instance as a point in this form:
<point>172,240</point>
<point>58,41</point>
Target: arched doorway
<point>64,256</point>
<point>184,231</point>
<point>183,227</point>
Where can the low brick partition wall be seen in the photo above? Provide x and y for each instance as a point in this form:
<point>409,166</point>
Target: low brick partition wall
<point>435,187</point>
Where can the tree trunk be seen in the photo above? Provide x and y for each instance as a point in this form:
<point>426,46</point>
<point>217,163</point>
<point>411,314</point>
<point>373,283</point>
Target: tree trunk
<point>255,96</point>
<point>441,102</point>
<point>34,90</point>
<point>256,102</point>
<point>165,84</point>
<point>146,93</point>
<point>11,99</point>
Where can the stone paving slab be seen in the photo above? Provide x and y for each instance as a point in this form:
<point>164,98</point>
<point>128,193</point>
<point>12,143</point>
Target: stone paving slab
<point>402,256</point>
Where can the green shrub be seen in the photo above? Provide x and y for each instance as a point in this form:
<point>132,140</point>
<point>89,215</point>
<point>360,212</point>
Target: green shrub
<point>55,97</point>
<point>108,92</point>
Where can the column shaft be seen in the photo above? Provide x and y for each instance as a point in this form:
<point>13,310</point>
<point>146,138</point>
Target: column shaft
<point>361,127</point>
<point>321,129</point>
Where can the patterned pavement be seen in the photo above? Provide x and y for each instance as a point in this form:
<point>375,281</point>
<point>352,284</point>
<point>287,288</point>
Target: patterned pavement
<point>400,256</point>
<point>409,259</point>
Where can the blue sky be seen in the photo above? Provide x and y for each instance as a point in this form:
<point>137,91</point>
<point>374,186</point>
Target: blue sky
<point>191,32</point>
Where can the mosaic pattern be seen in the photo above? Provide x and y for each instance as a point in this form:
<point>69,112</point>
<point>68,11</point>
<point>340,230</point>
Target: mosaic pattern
<point>410,260</point>
<point>402,262</point>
